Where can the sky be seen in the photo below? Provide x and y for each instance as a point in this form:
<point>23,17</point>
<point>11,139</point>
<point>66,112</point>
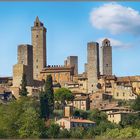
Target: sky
<point>70,26</point>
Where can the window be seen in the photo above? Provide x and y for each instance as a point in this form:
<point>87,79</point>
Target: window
<point>36,60</point>
<point>123,94</point>
<point>36,24</point>
<point>117,94</point>
<point>36,36</point>
<point>91,85</point>
<point>37,66</point>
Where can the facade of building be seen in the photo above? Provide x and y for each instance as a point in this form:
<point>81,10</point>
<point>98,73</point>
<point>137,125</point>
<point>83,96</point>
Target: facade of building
<point>60,74</point>
<point>117,117</point>
<point>68,123</point>
<point>81,102</point>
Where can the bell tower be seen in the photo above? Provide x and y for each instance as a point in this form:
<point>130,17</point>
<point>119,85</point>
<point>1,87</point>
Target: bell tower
<point>106,58</point>
<point>39,47</point>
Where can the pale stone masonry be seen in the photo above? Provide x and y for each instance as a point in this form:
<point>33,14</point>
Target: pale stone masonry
<point>72,61</point>
<point>106,58</point>
<point>92,66</point>
<point>39,47</point>
<point>24,65</point>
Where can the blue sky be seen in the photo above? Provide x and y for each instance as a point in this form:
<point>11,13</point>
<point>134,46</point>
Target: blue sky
<point>70,25</point>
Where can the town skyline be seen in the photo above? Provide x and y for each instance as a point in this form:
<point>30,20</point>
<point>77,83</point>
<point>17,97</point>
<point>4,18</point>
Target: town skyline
<point>63,30</point>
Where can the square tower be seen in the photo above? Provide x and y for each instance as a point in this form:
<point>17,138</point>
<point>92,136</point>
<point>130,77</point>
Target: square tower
<point>72,61</point>
<point>39,47</point>
<point>92,66</point>
<point>25,54</point>
<point>24,65</point>
<point>106,58</point>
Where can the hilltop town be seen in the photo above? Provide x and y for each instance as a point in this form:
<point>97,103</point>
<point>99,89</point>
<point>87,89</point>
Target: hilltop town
<point>95,88</point>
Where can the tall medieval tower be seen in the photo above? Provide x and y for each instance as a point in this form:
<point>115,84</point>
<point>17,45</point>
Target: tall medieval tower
<point>24,65</point>
<point>39,47</point>
<point>106,58</point>
<point>92,66</point>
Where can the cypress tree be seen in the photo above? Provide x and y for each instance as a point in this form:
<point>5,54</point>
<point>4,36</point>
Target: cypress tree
<point>47,98</point>
<point>23,89</point>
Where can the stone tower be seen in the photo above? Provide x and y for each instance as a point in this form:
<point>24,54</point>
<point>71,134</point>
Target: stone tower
<point>106,58</point>
<point>73,62</point>
<point>92,66</point>
<point>24,65</point>
<point>25,54</point>
<point>39,47</point>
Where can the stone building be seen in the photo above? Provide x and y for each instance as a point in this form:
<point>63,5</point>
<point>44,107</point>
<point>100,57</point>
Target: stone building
<point>68,123</point>
<point>60,74</point>
<point>106,58</point>
<point>81,102</point>
<point>39,47</point>
<point>72,61</point>
<point>24,65</point>
<point>92,66</point>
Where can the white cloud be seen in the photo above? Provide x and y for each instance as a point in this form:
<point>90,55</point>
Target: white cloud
<point>115,43</point>
<point>116,19</point>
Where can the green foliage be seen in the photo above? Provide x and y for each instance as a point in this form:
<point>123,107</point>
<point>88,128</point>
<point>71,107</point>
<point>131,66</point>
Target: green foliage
<point>132,120</point>
<point>53,131</point>
<point>124,133</point>
<point>136,104</point>
<point>23,89</point>
<point>90,133</point>
<point>80,113</point>
<point>20,119</point>
<point>29,123</point>
<point>97,116</point>
<point>62,95</point>
<point>64,133</point>
<point>47,99</point>
<point>77,132</point>
<point>48,89</point>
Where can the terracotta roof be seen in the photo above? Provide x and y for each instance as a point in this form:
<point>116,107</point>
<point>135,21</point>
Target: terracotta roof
<point>128,79</point>
<point>115,108</point>
<point>122,112</point>
<point>81,98</point>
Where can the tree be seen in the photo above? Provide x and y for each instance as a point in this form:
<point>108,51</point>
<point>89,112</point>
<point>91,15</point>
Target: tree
<point>77,132</point>
<point>30,124</point>
<point>47,99</point>
<point>136,104</point>
<point>64,133</point>
<point>53,130</point>
<point>62,95</point>
<point>20,119</point>
<point>97,116</point>
<point>23,89</point>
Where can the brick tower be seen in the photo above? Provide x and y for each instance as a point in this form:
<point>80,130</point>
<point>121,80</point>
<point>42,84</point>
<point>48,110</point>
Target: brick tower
<point>39,47</point>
